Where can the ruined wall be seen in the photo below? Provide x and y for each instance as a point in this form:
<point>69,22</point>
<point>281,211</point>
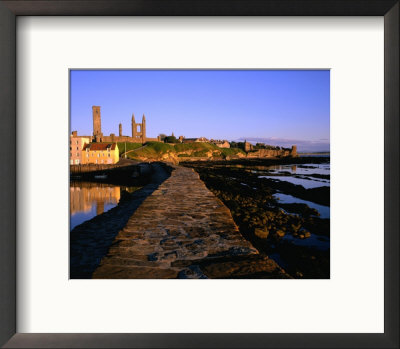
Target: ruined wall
<point>112,138</point>
<point>269,153</point>
<point>138,131</point>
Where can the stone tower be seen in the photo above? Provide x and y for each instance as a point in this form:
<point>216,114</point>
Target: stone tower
<point>247,146</point>
<point>294,150</point>
<point>133,127</point>
<point>143,129</point>
<point>97,134</point>
<point>139,130</point>
<point>120,130</point>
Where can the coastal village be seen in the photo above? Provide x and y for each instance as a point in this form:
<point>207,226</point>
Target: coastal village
<point>101,149</point>
<point>177,207</point>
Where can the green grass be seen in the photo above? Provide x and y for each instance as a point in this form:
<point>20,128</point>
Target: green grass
<point>129,146</point>
<point>231,151</point>
<point>159,147</point>
<point>132,155</point>
<point>200,154</point>
<point>181,147</point>
<point>154,150</point>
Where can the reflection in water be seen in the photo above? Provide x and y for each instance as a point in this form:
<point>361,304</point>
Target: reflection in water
<point>85,194</point>
<point>324,211</point>
<point>305,182</point>
<point>302,169</point>
<point>88,200</point>
<point>305,175</point>
<point>323,169</point>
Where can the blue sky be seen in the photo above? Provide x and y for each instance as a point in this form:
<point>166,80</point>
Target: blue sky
<point>279,107</point>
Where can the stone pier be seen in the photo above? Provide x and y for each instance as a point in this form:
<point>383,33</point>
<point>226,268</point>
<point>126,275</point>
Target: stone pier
<point>183,231</point>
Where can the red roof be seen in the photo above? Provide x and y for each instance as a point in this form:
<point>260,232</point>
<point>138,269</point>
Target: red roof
<point>100,146</point>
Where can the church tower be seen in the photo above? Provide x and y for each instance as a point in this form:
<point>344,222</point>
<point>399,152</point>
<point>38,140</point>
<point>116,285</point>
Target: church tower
<point>133,127</point>
<point>143,129</point>
<point>97,134</point>
<point>139,130</point>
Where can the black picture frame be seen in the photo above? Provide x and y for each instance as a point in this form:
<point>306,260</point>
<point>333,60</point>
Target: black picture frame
<point>8,171</point>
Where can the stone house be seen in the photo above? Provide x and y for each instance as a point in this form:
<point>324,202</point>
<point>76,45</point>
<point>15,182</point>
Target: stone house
<point>100,153</point>
<point>76,144</point>
<point>194,140</point>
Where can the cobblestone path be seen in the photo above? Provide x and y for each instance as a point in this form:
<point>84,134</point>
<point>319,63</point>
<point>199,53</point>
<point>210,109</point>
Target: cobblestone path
<point>183,231</point>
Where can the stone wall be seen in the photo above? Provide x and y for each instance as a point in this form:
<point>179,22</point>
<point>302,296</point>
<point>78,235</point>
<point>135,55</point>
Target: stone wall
<point>268,153</point>
<point>115,139</point>
<point>152,140</point>
<point>78,169</point>
<point>112,138</point>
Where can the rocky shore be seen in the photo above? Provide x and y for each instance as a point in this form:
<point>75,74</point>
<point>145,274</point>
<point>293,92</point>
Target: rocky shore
<point>265,221</point>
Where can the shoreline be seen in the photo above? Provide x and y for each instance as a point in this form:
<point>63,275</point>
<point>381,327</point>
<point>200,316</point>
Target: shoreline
<point>291,253</point>
<point>298,240</point>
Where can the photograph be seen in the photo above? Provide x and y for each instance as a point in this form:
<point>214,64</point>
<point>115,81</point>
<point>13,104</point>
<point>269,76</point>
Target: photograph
<point>201,138</point>
<point>199,174</point>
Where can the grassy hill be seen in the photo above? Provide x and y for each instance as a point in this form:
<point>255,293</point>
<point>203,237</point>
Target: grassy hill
<point>165,151</point>
<point>129,146</point>
<point>152,150</point>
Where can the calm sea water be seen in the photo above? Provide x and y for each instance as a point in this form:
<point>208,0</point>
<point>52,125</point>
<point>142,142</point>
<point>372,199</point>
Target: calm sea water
<point>88,200</point>
<point>324,211</point>
<point>315,155</point>
<point>299,174</point>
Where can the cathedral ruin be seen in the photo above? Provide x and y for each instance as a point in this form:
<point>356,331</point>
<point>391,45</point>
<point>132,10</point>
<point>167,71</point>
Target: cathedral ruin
<point>138,130</point>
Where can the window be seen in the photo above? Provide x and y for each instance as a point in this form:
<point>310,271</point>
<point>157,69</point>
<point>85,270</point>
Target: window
<point>109,155</point>
<point>77,148</point>
<point>70,148</point>
<point>87,155</point>
<point>77,161</point>
<point>77,142</point>
<point>70,154</point>
<point>77,154</point>
<point>98,155</point>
